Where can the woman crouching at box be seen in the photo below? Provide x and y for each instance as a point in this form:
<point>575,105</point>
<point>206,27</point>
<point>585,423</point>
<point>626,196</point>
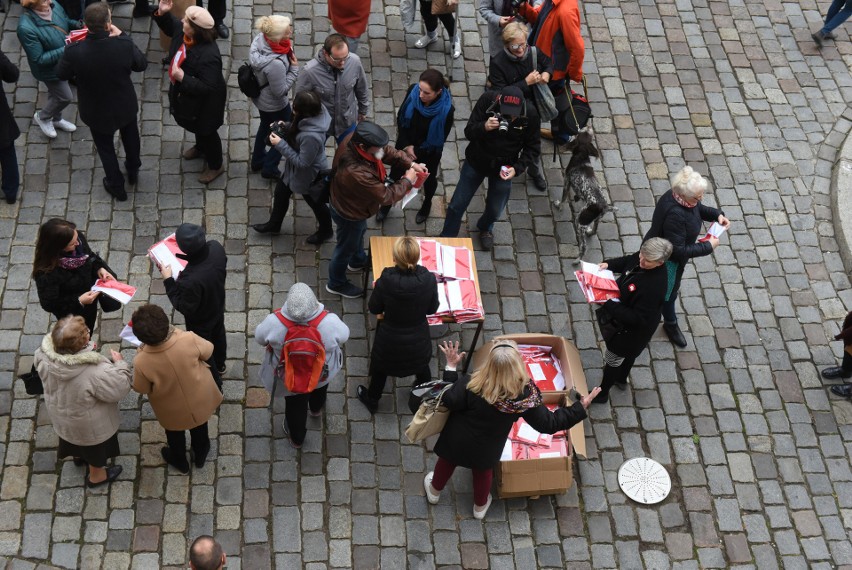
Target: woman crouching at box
<point>483,408</point>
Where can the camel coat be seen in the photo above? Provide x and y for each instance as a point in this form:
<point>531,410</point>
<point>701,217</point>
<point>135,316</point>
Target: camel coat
<point>177,379</point>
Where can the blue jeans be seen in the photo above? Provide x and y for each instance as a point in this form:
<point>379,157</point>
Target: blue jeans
<point>495,200</point>
<point>267,160</point>
<point>838,12</point>
<point>669,313</point>
<point>11,179</point>
<point>349,249</point>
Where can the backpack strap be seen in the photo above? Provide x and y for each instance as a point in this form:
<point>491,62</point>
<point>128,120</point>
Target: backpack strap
<point>318,319</point>
<point>284,320</point>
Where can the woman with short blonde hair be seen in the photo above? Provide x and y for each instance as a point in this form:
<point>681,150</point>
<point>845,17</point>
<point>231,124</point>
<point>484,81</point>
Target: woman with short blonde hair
<point>483,408</point>
<point>404,294</point>
<point>81,392</point>
<point>679,217</point>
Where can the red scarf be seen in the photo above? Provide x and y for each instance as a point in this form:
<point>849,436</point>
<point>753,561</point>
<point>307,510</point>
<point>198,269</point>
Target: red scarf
<point>283,47</point>
<point>380,167</point>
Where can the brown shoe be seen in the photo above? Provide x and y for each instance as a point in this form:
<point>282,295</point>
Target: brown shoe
<point>547,134</point>
<point>209,175</point>
<point>191,153</point>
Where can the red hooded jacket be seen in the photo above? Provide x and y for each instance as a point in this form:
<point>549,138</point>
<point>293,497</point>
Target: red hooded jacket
<point>559,37</point>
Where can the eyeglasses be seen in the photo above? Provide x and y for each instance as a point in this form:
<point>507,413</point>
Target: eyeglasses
<point>339,59</point>
<point>517,46</point>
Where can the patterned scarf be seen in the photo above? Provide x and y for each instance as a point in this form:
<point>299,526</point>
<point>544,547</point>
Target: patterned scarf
<point>683,202</point>
<point>73,260</point>
<point>520,406</point>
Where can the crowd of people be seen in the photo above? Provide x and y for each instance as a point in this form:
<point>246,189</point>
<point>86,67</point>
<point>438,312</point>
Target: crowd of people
<point>300,108</point>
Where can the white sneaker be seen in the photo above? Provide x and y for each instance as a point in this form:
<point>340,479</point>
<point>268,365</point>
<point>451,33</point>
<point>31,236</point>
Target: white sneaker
<point>479,512</point>
<point>45,126</point>
<point>426,41</point>
<point>432,495</point>
<point>457,48</point>
<point>64,125</point>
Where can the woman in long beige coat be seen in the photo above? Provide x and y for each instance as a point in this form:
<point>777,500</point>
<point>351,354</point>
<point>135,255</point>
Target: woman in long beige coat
<point>81,390</point>
<point>171,368</point>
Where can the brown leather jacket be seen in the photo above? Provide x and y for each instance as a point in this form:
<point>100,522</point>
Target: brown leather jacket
<point>357,192</point>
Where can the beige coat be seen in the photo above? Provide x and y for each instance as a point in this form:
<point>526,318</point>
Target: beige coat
<point>82,392</point>
<point>178,381</point>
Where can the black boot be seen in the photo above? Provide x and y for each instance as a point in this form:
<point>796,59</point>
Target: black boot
<point>423,212</point>
<point>280,205</point>
<point>843,371</point>
<point>675,335</point>
<point>371,404</point>
<point>383,213</point>
<point>320,236</point>
<point>609,378</point>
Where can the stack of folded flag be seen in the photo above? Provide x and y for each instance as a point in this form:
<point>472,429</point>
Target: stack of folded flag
<point>543,367</point>
<point>598,285</point>
<point>453,266</point>
<point>526,443</point>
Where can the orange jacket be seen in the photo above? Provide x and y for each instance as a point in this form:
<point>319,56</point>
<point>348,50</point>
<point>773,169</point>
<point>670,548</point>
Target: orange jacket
<point>559,37</point>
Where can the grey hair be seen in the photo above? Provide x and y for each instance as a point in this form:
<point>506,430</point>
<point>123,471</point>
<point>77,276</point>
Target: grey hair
<point>657,249</point>
<point>689,184</point>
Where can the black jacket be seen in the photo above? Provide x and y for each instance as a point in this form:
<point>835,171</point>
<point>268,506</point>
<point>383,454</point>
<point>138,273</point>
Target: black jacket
<point>642,293</point>
<point>9,130</point>
<point>199,291</point>
<point>198,102</point>
<point>506,70</point>
<point>476,431</point>
<point>403,344</point>
<point>101,66</point>
<point>415,134</point>
<point>489,150</point>
<point>59,290</point>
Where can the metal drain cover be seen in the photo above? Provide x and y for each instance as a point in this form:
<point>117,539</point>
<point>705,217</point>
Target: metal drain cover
<point>644,480</point>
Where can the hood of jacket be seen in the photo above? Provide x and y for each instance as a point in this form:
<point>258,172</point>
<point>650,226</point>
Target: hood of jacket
<point>319,124</point>
<point>287,315</point>
<point>260,54</point>
<point>69,366</point>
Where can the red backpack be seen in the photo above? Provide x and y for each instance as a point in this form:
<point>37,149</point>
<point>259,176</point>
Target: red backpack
<point>301,365</point>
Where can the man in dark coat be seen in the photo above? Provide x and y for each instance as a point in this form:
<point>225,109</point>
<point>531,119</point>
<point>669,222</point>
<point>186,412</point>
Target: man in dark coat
<point>9,131</point>
<point>101,65</point>
<point>198,292</point>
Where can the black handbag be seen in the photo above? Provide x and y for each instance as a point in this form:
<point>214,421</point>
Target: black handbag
<point>319,188</point>
<point>608,324</point>
<point>32,383</point>
<point>574,109</point>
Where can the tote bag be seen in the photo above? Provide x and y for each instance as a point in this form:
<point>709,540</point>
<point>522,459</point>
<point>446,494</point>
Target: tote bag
<point>545,103</point>
<point>431,417</point>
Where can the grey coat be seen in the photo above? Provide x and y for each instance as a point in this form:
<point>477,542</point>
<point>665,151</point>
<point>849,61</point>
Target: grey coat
<point>301,166</point>
<point>273,70</point>
<point>271,333</point>
<point>345,94</point>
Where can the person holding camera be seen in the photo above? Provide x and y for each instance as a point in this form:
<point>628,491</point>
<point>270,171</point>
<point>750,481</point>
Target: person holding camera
<point>339,77</point>
<point>274,62</point>
<point>302,143</point>
<point>359,188</point>
<point>503,131</point>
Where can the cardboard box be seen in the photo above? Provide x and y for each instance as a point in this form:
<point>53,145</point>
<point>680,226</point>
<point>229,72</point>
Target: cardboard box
<point>553,475</point>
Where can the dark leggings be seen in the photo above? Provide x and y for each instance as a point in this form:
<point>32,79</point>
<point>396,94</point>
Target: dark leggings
<point>431,20</point>
<point>481,480</point>
<point>210,146</point>
<point>378,379</point>
<point>199,441</point>
<point>281,203</point>
<point>296,411</point>
<point>613,375</point>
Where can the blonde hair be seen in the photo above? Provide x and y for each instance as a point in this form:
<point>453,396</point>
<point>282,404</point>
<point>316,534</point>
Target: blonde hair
<point>503,376</point>
<point>406,253</point>
<point>273,27</point>
<point>514,30</point>
<point>689,184</point>
<point>30,3</point>
<point>69,335</point>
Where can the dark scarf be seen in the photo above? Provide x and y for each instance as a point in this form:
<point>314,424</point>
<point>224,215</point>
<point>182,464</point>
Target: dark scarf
<point>437,111</point>
<point>520,406</point>
<point>73,259</point>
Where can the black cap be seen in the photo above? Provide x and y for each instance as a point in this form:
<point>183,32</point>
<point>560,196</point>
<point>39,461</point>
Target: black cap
<point>190,238</point>
<point>370,134</point>
<point>511,101</point>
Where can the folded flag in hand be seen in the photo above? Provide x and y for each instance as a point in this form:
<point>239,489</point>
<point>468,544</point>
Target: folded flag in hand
<point>116,289</point>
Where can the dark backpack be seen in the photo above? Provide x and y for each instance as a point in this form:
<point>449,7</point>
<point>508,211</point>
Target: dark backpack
<point>247,80</point>
<point>301,365</point>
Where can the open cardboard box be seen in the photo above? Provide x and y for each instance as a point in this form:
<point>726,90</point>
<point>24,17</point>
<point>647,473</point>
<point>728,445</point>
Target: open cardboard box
<point>552,475</point>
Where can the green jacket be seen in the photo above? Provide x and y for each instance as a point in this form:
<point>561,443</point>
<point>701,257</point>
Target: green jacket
<point>44,42</point>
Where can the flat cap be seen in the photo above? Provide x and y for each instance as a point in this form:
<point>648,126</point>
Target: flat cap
<point>370,134</point>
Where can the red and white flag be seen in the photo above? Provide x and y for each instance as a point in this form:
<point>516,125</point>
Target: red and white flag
<point>116,289</point>
<point>163,253</point>
<point>127,334</point>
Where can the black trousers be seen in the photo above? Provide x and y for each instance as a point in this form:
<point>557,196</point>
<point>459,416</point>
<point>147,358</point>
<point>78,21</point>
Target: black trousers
<point>216,8</point>
<point>281,203</point>
<point>199,441</point>
<point>613,375</point>
<point>296,411</point>
<point>378,379</point>
<point>105,143</point>
<point>210,146</point>
<point>431,20</point>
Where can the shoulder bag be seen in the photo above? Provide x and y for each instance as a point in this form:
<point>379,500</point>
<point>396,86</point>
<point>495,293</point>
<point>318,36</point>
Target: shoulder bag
<point>431,417</point>
<point>608,325</point>
<point>444,6</point>
<point>543,97</point>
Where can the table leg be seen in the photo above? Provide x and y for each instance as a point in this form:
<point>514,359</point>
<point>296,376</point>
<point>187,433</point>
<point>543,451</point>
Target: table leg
<point>472,346</point>
<point>368,269</point>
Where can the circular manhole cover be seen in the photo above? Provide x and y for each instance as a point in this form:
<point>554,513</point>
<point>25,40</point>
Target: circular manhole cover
<point>644,480</point>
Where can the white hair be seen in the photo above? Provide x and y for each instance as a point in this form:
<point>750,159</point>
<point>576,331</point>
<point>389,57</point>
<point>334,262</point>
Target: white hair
<point>657,249</point>
<point>689,184</point>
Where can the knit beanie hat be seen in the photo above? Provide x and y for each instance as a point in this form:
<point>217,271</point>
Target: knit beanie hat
<point>301,302</point>
<point>190,238</point>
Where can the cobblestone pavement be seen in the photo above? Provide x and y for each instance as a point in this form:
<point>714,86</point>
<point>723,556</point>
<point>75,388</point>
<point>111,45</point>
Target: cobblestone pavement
<point>757,449</point>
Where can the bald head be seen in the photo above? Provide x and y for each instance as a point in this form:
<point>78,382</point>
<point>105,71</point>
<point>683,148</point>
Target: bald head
<point>206,554</point>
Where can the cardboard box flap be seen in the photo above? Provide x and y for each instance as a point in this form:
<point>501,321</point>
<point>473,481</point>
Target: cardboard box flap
<point>539,476</point>
<point>572,369</point>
